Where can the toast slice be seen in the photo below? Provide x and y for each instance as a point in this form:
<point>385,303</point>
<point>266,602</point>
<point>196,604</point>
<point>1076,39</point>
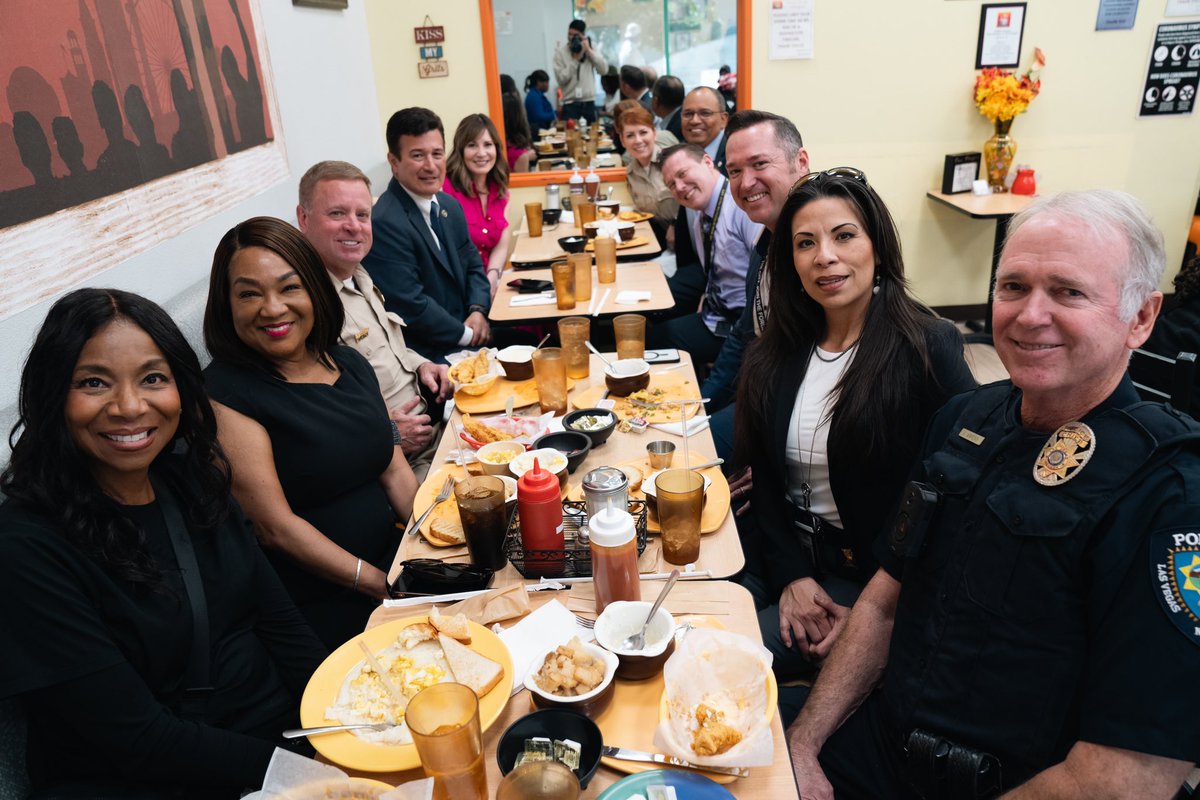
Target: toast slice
<point>412,635</point>
<point>455,627</point>
<point>471,669</point>
<point>446,526</point>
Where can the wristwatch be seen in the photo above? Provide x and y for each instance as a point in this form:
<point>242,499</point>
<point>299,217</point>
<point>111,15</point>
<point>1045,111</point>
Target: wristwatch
<point>471,309</point>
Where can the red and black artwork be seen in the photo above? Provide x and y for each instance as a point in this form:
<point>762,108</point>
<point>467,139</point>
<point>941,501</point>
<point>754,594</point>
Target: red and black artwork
<point>100,96</point>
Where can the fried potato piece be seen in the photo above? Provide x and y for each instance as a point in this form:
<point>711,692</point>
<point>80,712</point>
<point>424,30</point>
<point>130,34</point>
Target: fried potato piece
<point>713,736</point>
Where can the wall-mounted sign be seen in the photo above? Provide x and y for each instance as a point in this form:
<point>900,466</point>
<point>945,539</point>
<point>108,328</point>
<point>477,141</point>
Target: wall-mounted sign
<point>1000,30</point>
<point>431,52</point>
<point>433,69</point>
<point>427,34</point>
<point>1174,72</point>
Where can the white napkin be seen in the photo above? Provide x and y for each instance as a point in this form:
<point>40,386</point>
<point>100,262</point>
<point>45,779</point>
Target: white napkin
<point>695,425</point>
<point>540,299</point>
<point>538,634</point>
<point>632,297</point>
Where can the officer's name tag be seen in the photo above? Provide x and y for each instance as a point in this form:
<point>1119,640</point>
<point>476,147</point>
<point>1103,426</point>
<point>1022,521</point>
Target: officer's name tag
<point>971,436</point>
<point>358,337</point>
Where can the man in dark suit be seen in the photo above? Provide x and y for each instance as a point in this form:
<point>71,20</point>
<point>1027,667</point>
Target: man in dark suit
<point>668,102</point>
<point>633,86</point>
<point>423,259</point>
<point>704,117</point>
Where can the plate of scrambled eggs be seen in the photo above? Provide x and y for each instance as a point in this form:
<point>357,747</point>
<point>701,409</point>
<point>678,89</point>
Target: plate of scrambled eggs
<point>344,689</point>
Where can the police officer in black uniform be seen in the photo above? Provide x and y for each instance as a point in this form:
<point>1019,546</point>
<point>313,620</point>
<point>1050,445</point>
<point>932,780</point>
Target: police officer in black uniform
<point>1038,604</point>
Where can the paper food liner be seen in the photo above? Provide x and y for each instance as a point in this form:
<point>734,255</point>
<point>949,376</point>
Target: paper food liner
<point>294,777</point>
<point>727,672</point>
<point>497,605</point>
<point>494,367</point>
<point>525,430</point>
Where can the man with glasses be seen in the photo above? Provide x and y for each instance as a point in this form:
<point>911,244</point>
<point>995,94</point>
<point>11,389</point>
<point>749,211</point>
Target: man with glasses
<point>576,65</point>
<point>714,243</point>
<point>703,119</point>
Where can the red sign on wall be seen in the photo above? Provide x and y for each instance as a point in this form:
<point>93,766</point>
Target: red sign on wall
<point>430,33</point>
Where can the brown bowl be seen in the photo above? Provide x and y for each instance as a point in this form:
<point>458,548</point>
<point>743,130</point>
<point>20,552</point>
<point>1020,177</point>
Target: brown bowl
<point>610,208</point>
<point>590,229</point>
<point>626,376</point>
<point>591,704</point>
<point>625,229</point>
<point>517,362</point>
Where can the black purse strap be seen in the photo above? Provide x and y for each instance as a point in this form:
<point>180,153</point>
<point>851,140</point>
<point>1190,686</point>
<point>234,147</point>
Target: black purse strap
<point>197,682</point>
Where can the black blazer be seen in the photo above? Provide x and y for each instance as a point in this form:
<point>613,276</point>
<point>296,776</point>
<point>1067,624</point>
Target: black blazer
<point>865,497</point>
<point>719,161</point>
<point>431,287</point>
<point>674,123</point>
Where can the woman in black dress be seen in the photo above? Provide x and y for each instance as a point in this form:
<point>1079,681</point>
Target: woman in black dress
<point>315,463</point>
<point>102,629</point>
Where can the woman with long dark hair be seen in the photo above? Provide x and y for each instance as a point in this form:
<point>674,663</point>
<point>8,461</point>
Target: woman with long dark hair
<point>128,577</point>
<point>538,108</point>
<point>477,177</point>
<point>833,399</point>
<point>518,148</point>
<point>315,462</point>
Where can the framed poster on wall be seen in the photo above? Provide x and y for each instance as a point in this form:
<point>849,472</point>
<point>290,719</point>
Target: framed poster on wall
<point>1001,27</point>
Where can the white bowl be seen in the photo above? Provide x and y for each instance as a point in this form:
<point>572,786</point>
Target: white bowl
<point>622,619</point>
<point>548,459</point>
<point>499,468</point>
<point>627,368</point>
<point>610,670</point>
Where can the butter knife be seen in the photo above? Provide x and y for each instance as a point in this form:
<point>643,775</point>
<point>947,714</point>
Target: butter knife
<point>625,754</point>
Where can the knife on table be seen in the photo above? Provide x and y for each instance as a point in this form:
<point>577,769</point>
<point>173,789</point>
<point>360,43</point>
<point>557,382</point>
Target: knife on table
<point>625,754</point>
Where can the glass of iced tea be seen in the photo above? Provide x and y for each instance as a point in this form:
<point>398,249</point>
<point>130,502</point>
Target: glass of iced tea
<point>630,333</point>
<point>444,721</point>
<point>573,333</point>
<point>680,499</point>
<point>563,273</point>
<point>606,259</point>
<point>485,523</point>
<point>583,276</point>
<point>550,377</point>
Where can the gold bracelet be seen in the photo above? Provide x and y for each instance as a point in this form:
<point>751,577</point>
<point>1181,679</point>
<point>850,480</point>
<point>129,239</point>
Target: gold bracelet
<point>357,574</point>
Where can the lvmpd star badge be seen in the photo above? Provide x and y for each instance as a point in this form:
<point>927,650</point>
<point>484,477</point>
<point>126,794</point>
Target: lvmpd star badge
<point>1175,567</point>
<point>1065,454</point>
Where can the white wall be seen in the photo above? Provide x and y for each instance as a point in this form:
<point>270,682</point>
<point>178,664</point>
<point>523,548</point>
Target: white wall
<point>538,27</point>
<point>325,91</point>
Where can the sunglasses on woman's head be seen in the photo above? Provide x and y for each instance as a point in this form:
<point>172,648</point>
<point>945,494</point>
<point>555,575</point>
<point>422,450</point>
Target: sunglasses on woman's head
<point>837,172</point>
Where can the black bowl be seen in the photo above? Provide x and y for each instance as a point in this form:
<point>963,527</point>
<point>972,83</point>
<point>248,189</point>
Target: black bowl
<point>573,244</point>
<point>550,216</point>
<point>598,436</point>
<point>553,723</point>
<point>575,445</point>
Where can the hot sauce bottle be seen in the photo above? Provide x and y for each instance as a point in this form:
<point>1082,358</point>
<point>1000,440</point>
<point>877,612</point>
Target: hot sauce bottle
<point>614,557</point>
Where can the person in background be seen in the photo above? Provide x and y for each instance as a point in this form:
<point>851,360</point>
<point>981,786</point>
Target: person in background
<point>334,214</point>
<point>1018,639</point>
<point>538,108</point>
<point>518,148</point>
<point>316,461</point>
<point>1178,330</point>
<point>667,105</point>
<point>714,242</point>
<point>833,399</point>
<point>704,119</point>
<point>576,64</point>
<point>610,82</point>
<point>635,126</point>
<point>634,86</point>
<point>478,179</point>
<point>727,86</point>
<point>104,514</point>
<point>423,259</point>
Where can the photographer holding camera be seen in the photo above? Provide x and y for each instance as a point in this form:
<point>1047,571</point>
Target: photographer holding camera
<point>576,65</point>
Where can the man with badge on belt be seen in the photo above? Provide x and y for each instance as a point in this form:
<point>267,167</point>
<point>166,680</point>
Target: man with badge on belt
<point>334,215</point>
<point>714,242</point>
<point>1032,631</point>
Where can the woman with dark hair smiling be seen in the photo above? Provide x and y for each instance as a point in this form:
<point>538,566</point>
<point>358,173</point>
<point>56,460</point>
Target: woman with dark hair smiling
<point>315,463</point>
<point>477,177</point>
<point>833,399</point>
<point>128,576</point>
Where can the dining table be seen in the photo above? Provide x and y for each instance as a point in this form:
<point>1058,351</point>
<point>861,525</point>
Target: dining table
<point>720,547</point>
<point>533,251</point>
<point>640,287</point>
<point>709,603</point>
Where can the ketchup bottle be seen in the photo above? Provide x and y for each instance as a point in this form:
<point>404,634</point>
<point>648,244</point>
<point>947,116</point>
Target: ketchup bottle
<point>614,557</point>
<point>539,510</point>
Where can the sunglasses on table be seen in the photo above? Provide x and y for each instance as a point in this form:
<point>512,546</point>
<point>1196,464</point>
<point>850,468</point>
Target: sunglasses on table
<point>849,173</point>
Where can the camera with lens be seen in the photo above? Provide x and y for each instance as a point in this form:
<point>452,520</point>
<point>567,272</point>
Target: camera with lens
<point>576,45</point>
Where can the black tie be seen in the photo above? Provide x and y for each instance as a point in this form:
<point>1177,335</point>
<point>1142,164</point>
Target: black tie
<point>435,222</point>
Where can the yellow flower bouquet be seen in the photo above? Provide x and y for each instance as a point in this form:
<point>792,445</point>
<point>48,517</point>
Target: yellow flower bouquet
<point>1000,95</point>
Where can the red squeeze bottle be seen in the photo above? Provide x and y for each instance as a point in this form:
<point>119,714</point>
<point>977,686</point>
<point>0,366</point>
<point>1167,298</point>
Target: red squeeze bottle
<point>539,511</point>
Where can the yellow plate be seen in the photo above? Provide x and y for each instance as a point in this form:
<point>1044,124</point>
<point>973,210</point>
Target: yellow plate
<point>675,385</point>
<point>636,709</point>
<point>359,787</point>
<point>715,507</point>
<point>634,216</point>
<point>636,241</point>
<point>524,393</point>
<point>348,750</point>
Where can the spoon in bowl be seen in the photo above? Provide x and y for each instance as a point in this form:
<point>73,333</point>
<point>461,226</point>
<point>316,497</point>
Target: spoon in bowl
<point>592,347</point>
<point>638,640</point>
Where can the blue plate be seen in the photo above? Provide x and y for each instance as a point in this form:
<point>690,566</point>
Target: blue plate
<point>698,787</point>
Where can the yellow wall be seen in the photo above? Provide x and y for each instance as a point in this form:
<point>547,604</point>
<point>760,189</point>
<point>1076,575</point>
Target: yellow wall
<point>890,92</point>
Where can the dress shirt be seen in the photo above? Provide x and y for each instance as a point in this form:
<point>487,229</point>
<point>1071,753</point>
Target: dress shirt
<point>649,191</point>
<point>485,228</point>
<point>733,245</point>
<point>426,206</point>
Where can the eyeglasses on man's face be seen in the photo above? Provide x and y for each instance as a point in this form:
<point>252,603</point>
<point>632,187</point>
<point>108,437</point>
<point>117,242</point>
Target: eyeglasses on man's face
<point>702,113</point>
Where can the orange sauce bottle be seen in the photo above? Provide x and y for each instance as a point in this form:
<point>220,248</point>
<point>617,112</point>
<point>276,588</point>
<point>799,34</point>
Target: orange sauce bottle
<point>613,543</point>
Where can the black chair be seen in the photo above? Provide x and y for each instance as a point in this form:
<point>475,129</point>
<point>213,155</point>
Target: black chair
<point>1168,380</point>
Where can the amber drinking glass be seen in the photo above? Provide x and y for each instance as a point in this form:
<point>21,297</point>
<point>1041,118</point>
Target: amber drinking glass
<point>533,218</point>
<point>583,276</point>
<point>550,377</point>
<point>630,333</point>
<point>606,259</point>
<point>563,273</point>
<point>573,333</point>
<point>444,721</point>
<point>680,500</point>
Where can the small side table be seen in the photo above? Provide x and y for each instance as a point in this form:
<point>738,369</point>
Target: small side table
<point>999,207</point>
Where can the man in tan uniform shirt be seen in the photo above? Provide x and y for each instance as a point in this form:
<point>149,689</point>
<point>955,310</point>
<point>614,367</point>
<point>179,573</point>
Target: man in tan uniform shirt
<point>334,214</point>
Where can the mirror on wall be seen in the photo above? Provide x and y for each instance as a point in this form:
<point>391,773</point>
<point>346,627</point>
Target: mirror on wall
<point>691,39</point>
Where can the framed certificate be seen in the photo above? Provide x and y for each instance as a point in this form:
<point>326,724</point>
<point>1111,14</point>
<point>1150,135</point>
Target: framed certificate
<point>960,172</point>
<point>1000,30</point>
